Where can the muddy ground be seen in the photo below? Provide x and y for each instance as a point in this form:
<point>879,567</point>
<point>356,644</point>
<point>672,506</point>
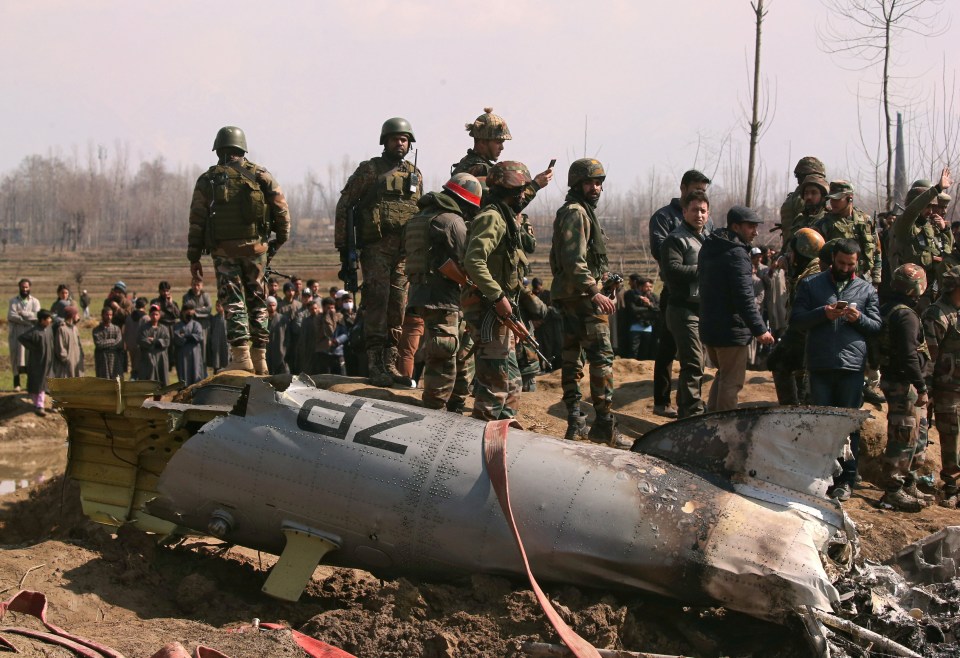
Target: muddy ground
<point>130,594</point>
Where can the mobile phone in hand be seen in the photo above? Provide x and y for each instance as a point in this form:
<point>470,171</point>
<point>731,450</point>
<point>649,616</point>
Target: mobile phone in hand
<point>842,305</point>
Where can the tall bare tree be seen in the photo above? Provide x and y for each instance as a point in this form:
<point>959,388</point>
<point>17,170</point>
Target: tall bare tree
<point>869,33</point>
<point>755,120</point>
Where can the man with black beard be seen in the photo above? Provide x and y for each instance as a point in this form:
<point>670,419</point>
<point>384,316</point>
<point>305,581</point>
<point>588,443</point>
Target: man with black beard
<point>839,310</point>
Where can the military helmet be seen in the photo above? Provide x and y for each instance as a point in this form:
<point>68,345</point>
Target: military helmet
<point>230,137</point>
<point>840,189</point>
<point>395,126</point>
<point>583,169</point>
<point>817,181</point>
<point>951,279</point>
<point>509,175</point>
<point>914,192</point>
<point>488,126</point>
<point>922,182</point>
<point>808,242</point>
<point>466,187</point>
<point>809,165</point>
<point>909,279</point>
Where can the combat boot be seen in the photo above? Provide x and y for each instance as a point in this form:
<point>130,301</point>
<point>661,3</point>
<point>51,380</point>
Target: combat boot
<point>950,498</point>
<point>390,356</point>
<point>240,358</point>
<point>605,429</point>
<point>529,384</point>
<point>873,395</point>
<point>378,377</point>
<point>900,501</point>
<point>912,490</point>
<point>576,426</point>
<point>258,355</point>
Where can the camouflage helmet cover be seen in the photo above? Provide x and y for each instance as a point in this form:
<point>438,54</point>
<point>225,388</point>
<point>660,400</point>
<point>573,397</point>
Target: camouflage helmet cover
<point>951,279</point>
<point>466,187</point>
<point>509,175</point>
<point>840,189</point>
<point>909,279</point>
<point>230,137</point>
<point>817,181</point>
<point>808,242</point>
<point>809,165</point>
<point>583,169</point>
<point>489,126</point>
<point>396,126</point>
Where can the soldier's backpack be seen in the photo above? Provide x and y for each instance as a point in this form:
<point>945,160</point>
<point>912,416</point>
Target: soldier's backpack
<point>238,207</point>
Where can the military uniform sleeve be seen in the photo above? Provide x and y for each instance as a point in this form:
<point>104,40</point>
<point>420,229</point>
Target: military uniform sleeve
<point>573,224</point>
<point>364,176</point>
<point>486,231</point>
<point>527,239</point>
<point>199,213</point>
<point>902,229</point>
<point>452,235</point>
<point>934,329</point>
<point>279,210</point>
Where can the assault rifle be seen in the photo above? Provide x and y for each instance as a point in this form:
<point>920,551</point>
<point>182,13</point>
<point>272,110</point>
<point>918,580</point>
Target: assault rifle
<point>269,272</point>
<point>350,255</point>
<point>454,272</point>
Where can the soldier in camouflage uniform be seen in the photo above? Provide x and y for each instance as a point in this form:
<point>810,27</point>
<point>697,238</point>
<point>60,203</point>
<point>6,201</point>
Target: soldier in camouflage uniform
<point>432,237</point>
<point>493,263</point>
<point>844,221</point>
<point>813,191</point>
<point>903,365</point>
<point>489,132</point>
<point>382,193</point>
<point>578,261</point>
<point>912,234</point>
<point>236,206</point>
<point>794,204</point>
<point>941,328</point>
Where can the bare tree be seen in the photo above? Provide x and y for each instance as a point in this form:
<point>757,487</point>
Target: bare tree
<point>756,121</point>
<point>868,33</point>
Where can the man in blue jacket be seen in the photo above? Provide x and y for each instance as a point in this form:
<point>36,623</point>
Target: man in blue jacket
<point>838,310</point>
<point>729,315</point>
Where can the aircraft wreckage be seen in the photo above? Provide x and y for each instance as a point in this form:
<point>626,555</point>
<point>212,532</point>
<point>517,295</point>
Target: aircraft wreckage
<point>724,509</point>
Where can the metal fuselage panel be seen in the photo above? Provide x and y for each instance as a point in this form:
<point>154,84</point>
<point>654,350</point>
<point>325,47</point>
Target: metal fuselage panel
<point>405,490</point>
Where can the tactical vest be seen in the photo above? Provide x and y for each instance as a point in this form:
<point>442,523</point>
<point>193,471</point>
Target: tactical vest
<point>238,210</point>
<point>416,244</point>
<point>388,204</point>
<point>596,256</point>
<point>885,346</point>
<point>504,260</point>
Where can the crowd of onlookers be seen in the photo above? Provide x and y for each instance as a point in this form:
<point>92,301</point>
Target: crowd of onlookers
<point>145,338</point>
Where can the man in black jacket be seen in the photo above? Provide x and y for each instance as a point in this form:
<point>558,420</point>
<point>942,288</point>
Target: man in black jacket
<point>904,358</point>
<point>729,315</point>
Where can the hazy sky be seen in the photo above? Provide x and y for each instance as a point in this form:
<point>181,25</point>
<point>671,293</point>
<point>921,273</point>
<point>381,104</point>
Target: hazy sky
<point>311,81</point>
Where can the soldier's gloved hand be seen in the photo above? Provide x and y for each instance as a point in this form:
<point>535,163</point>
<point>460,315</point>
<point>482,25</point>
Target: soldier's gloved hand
<point>196,270</point>
<point>502,307</point>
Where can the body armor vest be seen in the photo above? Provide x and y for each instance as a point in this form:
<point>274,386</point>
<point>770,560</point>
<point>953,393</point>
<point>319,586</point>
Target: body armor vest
<point>389,203</point>
<point>416,244</point>
<point>946,371</point>
<point>885,340</point>
<point>238,208</point>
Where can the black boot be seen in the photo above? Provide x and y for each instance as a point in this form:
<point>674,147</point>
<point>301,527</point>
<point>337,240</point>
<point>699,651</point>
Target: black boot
<point>605,429</point>
<point>576,426</point>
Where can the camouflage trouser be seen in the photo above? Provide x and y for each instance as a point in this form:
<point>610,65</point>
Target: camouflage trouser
<point>465,368</point>
<point>440,329</point>
<point>240,291</point>
<point>531,308</point>
<point>497,388</point>
<point>902,434</point>
<point>384,292</point>
<point>584,331</point>
<point>946,410</point>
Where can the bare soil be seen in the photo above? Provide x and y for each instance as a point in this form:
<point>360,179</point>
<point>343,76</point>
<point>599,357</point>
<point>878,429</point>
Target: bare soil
<point>129,593</point>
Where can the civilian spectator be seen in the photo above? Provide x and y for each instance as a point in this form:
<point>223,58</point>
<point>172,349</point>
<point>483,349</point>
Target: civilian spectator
<point>21,318</point>
<point>68,353</point>
<point>63,302</point>
<point>641,308</point>
<point>39,345</point>
<point>85,304</point>
<point>131,335</point>
<point>218,350</point>
<point>188,337</point>
<point>278,324</point>
<point>154,342</point>
<point>108,347</point>
<point>838,310</point>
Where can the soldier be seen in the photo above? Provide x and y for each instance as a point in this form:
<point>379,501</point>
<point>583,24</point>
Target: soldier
<point>493,261</point>
<point>813,191</point>
<point>381,196</point>
<point>236,206</point>
<point>844,221</point>
<point>578,261</point>
<point>941,329</point>
<point>903,363</point>
<point>911,233</point>
<point>679,254</point>
<point>662,222</point>
<point>795,203</point>
<point>435,235</point>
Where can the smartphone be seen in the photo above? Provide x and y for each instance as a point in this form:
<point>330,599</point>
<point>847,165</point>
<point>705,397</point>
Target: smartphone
<point>552,163</point>
<point>842,305</point>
